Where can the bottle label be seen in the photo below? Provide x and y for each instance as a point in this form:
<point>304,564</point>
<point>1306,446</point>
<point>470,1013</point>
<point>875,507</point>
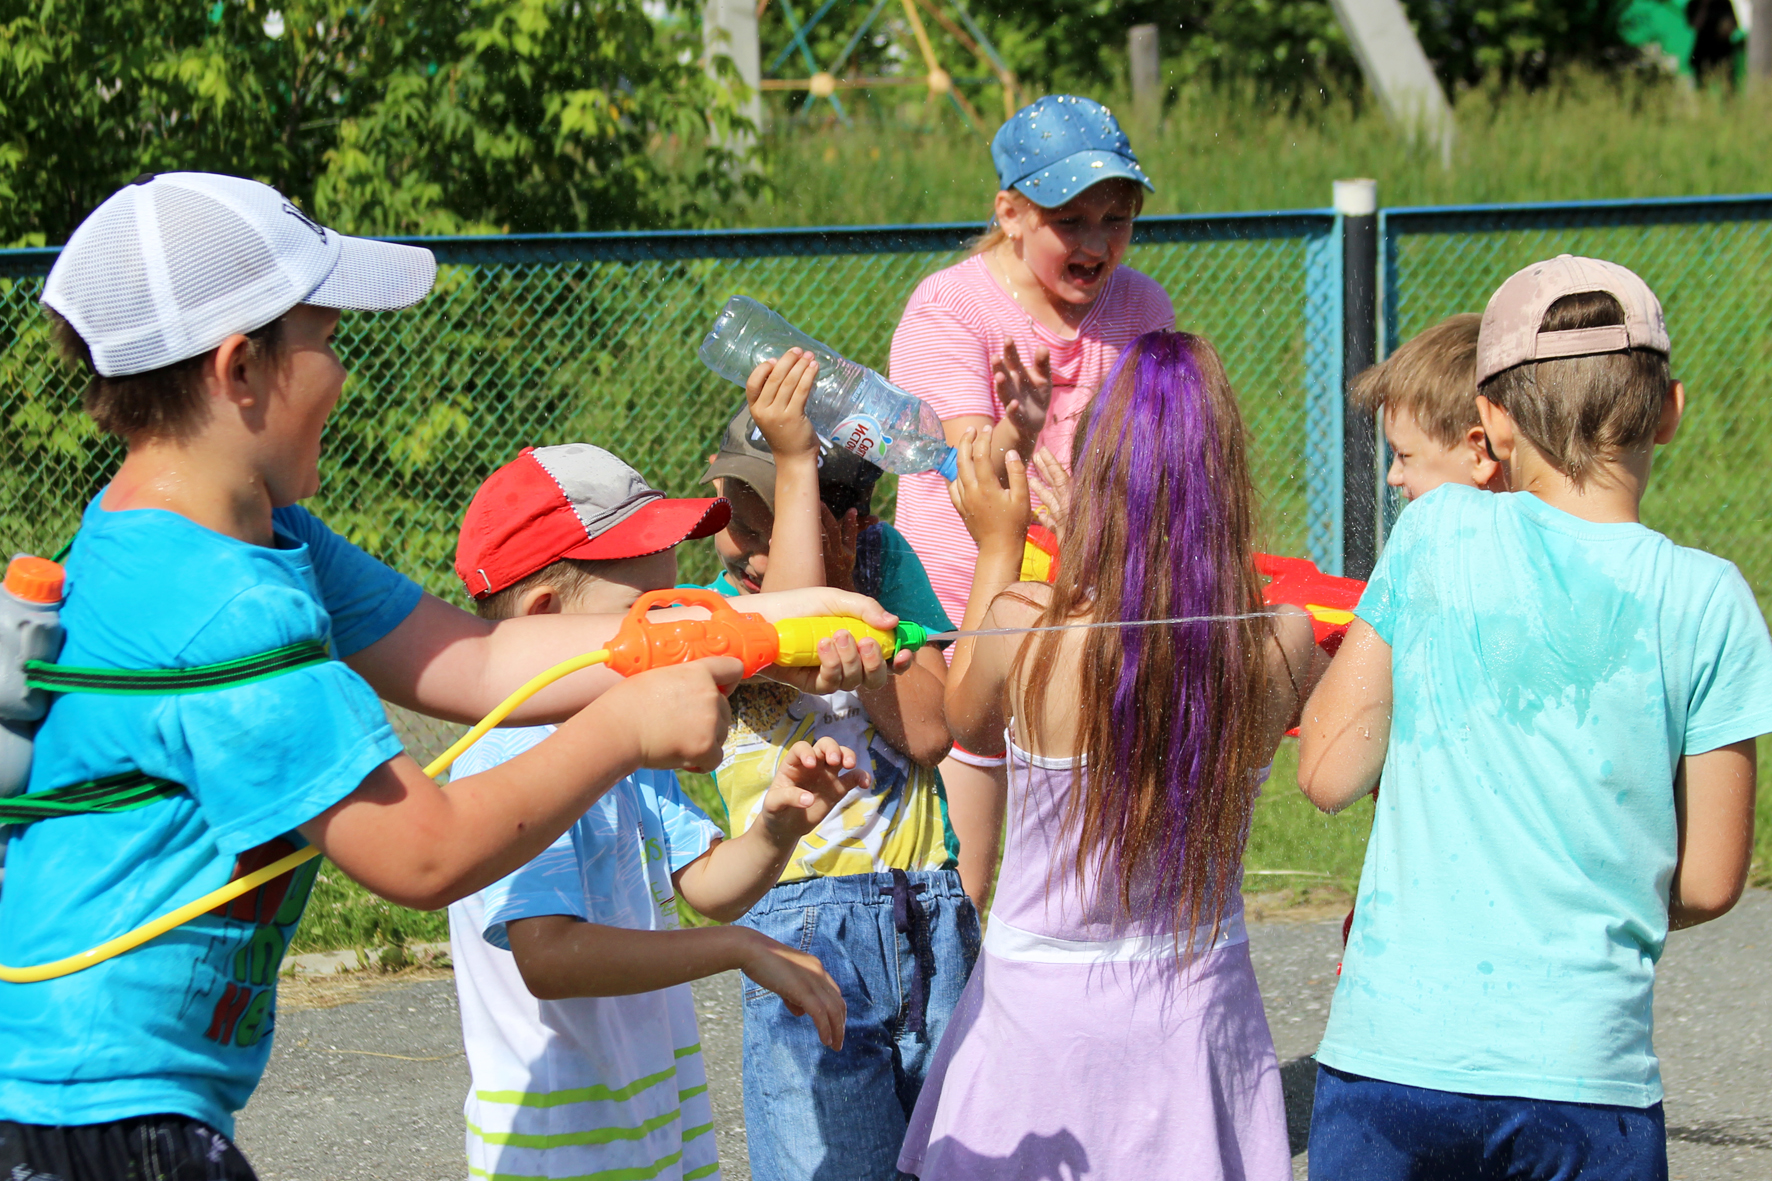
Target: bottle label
<point>861,434</point>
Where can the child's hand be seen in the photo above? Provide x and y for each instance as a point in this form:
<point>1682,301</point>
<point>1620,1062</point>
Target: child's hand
<point>677,714</point>
<point>810,781</point>
<point>777,393</point>
<point>1026,396</point>
<point>802,984</point>
<point>1052,490</point>
<point>840,539</point>
<point>843,663</point>
<point>994,515</point>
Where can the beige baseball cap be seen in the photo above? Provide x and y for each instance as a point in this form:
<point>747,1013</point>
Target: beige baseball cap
<point>1510,333</point>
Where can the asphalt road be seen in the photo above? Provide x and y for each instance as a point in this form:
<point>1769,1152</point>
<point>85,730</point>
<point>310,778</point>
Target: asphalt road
<point>372,1087</point>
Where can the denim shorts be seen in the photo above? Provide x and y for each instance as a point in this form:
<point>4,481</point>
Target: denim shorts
<point>1365,1129</point>
<point>900,947</point>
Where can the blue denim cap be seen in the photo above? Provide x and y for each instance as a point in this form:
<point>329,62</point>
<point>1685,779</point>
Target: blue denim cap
<point>1057,146</point>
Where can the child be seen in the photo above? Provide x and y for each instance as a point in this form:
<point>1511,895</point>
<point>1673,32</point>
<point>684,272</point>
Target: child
<point>1015,340</point>
<point>1114,1021</point>
<point>873,891</point>
<point>579,1024</point>
<point>204,306</point>
<point>1427,394</point>
<point>1563,705</point>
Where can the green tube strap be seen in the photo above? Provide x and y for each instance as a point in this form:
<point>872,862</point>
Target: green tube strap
<point>114,793</point>
<point>130,790</point>
<point>62,678</point>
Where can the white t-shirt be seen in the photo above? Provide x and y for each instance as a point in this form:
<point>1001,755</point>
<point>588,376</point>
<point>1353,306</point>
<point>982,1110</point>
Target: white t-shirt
<point>591,1086</point>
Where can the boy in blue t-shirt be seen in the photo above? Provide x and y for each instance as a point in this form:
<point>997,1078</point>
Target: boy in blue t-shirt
<point>204,307</point>
<point>576,1012</point>
<point>1563,704</point>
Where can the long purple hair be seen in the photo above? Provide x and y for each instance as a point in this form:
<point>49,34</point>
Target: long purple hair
<point>1171,718</point>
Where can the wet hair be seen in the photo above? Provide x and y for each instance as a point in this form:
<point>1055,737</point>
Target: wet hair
<point>1172,718</point>
<point>1580,411</point>
<point>995,235</point>
<point>164,401</point>
<point>1432,377</point>
<point>571,577</point>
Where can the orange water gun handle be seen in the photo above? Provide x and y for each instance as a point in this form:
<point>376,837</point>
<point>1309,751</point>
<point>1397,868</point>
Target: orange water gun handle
<point>641,643</point>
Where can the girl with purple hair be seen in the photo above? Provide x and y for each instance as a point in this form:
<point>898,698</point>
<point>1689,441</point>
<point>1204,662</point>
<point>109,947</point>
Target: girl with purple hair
<point>1113,1025</point>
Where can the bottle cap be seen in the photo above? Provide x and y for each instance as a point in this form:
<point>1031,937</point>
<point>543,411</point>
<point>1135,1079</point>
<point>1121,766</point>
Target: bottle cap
<point>35,580</point>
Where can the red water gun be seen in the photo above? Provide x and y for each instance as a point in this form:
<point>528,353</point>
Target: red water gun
<point>1330,599</point>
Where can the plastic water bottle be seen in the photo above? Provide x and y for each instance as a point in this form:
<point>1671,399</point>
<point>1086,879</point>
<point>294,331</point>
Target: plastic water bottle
<point>30,629</point>
<point>851,405</point>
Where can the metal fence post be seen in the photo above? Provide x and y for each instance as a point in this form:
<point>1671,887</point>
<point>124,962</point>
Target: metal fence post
<point>1357,203</point>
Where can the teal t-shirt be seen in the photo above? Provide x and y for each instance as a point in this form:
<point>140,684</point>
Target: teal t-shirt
<point>182,1024</point>
<point>1548,674</point>
<point>900,584</point>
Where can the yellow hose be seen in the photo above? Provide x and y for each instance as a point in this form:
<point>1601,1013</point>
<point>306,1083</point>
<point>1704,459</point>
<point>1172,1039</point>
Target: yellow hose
<point>258,877</point>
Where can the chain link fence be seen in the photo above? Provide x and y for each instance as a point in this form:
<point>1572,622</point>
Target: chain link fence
<point>548,338</point>
<point>551,338</point>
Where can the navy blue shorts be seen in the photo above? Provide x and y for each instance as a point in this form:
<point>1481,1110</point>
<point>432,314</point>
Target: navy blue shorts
<point>1364,1129</point>
<point>146,1148</point>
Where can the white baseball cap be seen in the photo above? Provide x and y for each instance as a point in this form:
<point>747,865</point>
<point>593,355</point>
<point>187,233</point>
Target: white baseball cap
<point>173,264</point>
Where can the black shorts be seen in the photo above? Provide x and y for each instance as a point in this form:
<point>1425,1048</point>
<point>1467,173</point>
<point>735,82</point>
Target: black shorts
<point>146,1148</point>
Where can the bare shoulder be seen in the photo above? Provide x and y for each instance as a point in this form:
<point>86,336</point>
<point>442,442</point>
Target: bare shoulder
<point>1019,605</point>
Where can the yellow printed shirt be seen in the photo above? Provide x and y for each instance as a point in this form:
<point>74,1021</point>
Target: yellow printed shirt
<point>899,821</point>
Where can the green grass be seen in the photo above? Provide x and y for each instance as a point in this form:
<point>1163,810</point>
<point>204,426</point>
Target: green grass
<point>1583,139</point>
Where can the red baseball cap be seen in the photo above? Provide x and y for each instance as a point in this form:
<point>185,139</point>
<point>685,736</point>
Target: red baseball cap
<point>570,501</point>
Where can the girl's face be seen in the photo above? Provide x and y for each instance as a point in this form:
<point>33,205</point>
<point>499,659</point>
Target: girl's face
<point>1072,249</point>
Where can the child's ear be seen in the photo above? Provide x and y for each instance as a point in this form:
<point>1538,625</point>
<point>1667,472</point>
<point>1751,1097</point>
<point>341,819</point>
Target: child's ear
<point>1484,466</point>
<point>1672,410</point>
<point>541,599</point>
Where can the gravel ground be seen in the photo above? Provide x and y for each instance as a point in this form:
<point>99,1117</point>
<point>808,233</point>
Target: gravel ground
<point>371,1086</point>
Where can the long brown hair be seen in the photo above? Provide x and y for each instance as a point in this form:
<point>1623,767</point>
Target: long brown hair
<point>1172,718</point>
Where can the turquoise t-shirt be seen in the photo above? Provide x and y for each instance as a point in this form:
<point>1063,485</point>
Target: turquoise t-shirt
<point>182,1024</point>
<point>1548,675</point>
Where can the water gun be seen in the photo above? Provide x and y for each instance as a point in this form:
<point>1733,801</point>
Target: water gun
<point>638,645</point>
<point>1330,599</point>
<point>641,643</point>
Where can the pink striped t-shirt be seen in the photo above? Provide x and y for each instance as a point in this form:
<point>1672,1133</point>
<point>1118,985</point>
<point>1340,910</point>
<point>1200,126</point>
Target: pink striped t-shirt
<point>955,325</point>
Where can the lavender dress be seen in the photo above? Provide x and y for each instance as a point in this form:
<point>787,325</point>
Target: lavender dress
<point>1082,1046</point>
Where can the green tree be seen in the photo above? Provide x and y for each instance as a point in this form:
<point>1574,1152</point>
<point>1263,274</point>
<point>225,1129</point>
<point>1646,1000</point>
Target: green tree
<point>392,116</point>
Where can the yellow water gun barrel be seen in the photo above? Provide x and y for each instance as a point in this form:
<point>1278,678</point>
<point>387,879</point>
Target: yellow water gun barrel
<point>799,638</point>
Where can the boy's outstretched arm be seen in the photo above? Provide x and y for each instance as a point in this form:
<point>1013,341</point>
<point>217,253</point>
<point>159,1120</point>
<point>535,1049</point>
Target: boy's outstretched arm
<point>728,879</point>
<point>448,663</point>
<point>420,845</point>
<point>561,956</point>
<point>1714,807</point>
<point>777,392</point>
<point>1346,726</point>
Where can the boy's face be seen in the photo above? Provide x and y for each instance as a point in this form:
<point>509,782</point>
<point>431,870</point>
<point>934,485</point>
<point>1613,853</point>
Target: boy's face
<point>743,545</point>
<point>617,586</point>
<point>302,393</point>
<point>1420,463</point>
